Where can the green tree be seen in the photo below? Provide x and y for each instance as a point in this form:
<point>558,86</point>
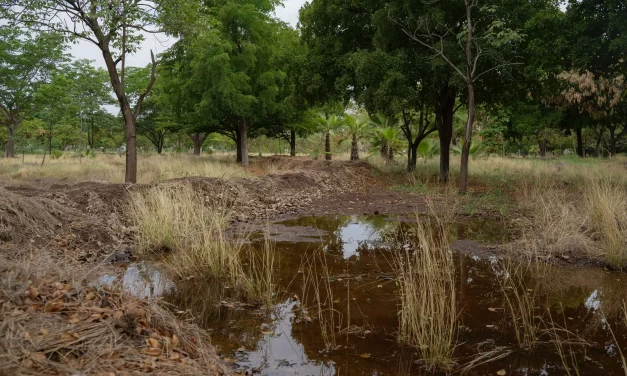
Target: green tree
<point>357,127</point>
<point>327,123</point>
<point>26,62</point>
<point>114,27</point>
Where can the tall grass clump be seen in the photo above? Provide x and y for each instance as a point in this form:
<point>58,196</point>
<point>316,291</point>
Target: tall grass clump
<point>426,280</point>
<point>520,303</point>
<point>177,219</point>
<point>557,227</point>
<point>316,290</point>
<point>606,206</point>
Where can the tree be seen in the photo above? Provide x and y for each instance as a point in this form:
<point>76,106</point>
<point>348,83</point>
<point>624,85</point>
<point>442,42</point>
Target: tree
<point>90,93</point>
<point>357,127</point>
<point>26,62</point>
<point>327,123</point>
<point>115,28</point>
<point>57,105</point>
<point>598,97</point>
<point>494,41</point>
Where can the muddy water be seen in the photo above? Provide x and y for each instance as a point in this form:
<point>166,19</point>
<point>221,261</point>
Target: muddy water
<point>358,254</point>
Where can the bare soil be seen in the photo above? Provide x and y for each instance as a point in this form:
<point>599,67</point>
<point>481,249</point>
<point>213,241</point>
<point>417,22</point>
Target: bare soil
<point>86,221</point>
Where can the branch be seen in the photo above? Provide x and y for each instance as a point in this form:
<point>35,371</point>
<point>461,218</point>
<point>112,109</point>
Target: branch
<point>493,68</point>
<point>153,78</point>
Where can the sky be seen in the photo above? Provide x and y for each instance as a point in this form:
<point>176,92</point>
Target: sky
<point>160,42</point>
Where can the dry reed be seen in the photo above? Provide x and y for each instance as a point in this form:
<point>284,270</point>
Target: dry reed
<point>520,303</point>
<point>176,218</point>
<point>426,280</point>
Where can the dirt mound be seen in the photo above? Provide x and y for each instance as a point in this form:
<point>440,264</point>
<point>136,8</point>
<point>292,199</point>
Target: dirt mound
<point>285,192</point>
<point>86,221</point>
<point>82,221</point>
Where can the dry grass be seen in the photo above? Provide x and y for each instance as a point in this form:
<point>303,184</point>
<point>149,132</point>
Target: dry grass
<point>53,320</point>
<point>426,280</point>
<point>606,212</point>
<point>21,216</point>
<point>316,288</point>
<point>180,220</point>
<point>590,222</point>
<point>110,168</point>
<point>520,303</point>
<point>557,227</point>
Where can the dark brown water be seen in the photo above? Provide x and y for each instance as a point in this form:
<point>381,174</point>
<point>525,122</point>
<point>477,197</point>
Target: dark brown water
<point>585,301</point>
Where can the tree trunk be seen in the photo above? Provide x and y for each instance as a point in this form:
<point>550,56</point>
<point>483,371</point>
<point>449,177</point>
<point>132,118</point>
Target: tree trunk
<point>579,141</point>
<point>390,154</point>
<point>384,150</point>
<point>597,149</point>
<point>243,134</point>
<point>292,143</point>
<point>238,146</point>
<point>354,148</point>
<point>198,138</point>
<point>463,170</point>
<point>410,150</point>
<point>10,146</point>
<point>613,140</point>
<point>444,112</point>
<point>542,147</point>
<point>327,146</point>
<point>414,156</point>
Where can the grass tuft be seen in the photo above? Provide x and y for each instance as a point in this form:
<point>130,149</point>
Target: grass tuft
<point>177,219</point>
<point>426,280</point>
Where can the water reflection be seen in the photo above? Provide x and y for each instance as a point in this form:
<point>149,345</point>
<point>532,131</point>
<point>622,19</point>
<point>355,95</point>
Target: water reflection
<point>585,300</point>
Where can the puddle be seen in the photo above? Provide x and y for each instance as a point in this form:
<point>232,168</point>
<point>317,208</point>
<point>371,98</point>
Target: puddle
<point>358,257</point>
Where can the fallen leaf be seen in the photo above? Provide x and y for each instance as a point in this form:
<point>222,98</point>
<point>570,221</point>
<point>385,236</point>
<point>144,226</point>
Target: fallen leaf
<point>53,307</point>
<point>96,316</point>
<point>152,342</point>
<point>492,309</point>
<point>336,301</point>
<point>175,356</point>
<point>175,340</point>
<point>367,332</point>
<point>501,372</point>
<point>241,349</point>
<point>152,352</point>
<point>307,319</point>
<point>90,296</point>
<point>266,333</point>
<point>489,326</point>
<point>43,331</point>
<point>379,286</point>
<point>365,355</point>
<point>67,336</point>
<point>74,320</point>
<point>33,292</point>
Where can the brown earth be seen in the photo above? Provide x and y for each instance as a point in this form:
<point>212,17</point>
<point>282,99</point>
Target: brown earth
<point>86,221</point>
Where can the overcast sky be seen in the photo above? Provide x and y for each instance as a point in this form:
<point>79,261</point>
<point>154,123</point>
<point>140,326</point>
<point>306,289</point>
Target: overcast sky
<point>159,43</point>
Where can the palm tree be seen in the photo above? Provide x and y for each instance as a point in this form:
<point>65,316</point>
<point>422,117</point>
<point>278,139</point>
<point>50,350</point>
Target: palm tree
<point>386,139</point>
<point>357,126</point>
<point>382,124</point>
<point>327,124</point>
